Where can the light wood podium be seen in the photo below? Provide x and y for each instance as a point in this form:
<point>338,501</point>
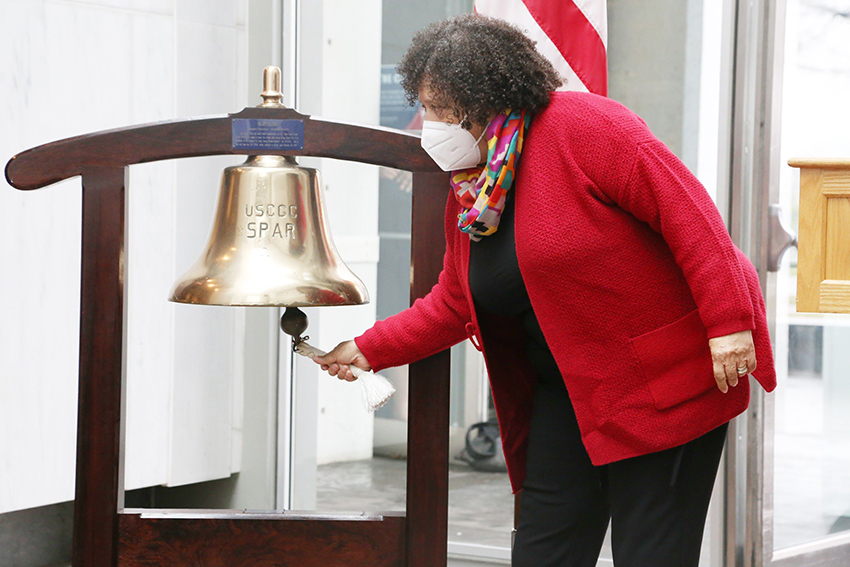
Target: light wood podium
<point>823,264</point>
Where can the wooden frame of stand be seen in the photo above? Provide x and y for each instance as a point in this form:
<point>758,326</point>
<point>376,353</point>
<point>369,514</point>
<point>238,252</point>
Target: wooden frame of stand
<point>108,535</point>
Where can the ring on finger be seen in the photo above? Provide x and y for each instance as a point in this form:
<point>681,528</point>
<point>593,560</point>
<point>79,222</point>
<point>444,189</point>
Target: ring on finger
<point>742,370</point>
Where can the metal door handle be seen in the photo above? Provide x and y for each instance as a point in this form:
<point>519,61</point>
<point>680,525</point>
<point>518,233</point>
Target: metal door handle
<point>780,238</point>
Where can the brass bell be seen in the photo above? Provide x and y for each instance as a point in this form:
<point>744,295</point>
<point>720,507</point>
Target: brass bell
<point>270,242</point>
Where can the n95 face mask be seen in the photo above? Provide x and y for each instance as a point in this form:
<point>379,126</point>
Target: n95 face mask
<point>450,146</point>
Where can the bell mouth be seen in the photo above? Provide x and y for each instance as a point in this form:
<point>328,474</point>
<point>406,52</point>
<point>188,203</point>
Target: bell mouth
<point>207,291</point>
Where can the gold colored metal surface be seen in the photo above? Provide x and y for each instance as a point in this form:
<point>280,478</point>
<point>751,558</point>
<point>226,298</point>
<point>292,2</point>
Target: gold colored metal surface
<point>270,243</point>
<point>272,97</point>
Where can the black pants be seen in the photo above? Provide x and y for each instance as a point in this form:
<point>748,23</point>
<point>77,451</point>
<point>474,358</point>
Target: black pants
<point>657,503</point>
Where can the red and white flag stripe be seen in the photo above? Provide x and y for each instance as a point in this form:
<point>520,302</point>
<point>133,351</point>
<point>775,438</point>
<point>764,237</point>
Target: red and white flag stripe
<point>572,34</point>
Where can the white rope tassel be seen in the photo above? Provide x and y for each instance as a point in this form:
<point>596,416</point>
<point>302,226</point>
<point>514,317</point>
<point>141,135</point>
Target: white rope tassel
<point>376,389</point>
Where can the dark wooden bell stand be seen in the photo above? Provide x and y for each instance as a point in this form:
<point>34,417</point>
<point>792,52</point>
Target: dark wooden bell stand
<point>108,535</point>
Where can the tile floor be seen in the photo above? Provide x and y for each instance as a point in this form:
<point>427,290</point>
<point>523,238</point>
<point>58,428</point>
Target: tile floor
<point>811,463</point>
<point>480,504</point>
<point>811,477</point>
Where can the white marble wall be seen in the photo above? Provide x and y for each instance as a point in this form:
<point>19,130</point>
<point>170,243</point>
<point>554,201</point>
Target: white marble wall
<point>70,67</point>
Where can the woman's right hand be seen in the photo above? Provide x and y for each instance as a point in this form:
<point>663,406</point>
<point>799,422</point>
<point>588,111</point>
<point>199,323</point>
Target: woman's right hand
<point>337,361</point>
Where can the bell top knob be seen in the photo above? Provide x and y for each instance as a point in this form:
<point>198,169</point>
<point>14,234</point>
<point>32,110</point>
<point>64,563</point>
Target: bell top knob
<point>271,94</point>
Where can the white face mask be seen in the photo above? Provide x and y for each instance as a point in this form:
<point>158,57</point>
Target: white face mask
<point>450,146</point>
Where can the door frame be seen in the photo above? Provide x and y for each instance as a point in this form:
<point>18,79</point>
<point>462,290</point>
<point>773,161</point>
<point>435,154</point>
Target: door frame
<point>757,71</point>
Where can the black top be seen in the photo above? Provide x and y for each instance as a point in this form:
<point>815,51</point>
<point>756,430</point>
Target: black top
<point>497,287</point>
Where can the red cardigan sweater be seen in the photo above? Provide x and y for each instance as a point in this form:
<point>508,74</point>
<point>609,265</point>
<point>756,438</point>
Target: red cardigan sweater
<point>630,270</point>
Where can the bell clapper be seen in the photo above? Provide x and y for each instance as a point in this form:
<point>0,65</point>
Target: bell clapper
<point>377,390</point>
<point>294,322</point>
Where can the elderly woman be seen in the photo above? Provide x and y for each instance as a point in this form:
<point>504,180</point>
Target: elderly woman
<point>617,319</point>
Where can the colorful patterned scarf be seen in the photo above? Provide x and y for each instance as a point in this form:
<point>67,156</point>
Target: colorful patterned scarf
<point>482,191</point>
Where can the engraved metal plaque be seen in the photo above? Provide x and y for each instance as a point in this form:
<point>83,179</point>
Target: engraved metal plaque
<point>267,134</point>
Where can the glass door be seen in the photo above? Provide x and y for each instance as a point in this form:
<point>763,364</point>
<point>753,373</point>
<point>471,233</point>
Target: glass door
<point>811,429</point>
<point>789,469</point>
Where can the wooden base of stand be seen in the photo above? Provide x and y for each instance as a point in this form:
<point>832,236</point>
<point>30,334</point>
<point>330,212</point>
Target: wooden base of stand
<point>230,538</point>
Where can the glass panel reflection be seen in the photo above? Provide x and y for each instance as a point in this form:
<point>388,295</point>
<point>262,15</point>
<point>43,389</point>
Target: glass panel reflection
<point>812,401</point>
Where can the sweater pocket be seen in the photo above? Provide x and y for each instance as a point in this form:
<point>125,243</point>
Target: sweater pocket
<point>676,361</point>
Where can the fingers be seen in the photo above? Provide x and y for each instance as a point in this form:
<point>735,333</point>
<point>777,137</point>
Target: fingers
<point>346,374</point>
<point>745,365</point>
<point>720,376</point>
<point>731,369</point>
<point>328,359</point>
<point>333,369</point>
<point>336,362</point>
<point>733,357</point>
<point>727,374</point>
<point>331,359</point>
<point>341,371</point>
<point>750,359</point>
<point>743,368</point>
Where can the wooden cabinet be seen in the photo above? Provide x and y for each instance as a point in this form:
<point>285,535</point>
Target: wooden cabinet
<point>823,265</point>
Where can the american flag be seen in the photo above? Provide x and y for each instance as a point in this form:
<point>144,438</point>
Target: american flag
<point>572,34</point>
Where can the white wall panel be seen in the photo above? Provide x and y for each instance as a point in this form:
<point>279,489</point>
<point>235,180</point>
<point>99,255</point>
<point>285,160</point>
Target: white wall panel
<point>242,13</point>
<point>340,80</point>
<point>44,97</point>
<point>344,427</point>
<point>203,338</point>
<point>72,67</point>
<point>149,353</point>
<point>164,7</point>
<point>213,12</point>
<point>202,394</point>
<point>148,247</point>
<point>82,83</point>
<point>243,95</point>
<point>152,68</point>
<point>206,69</point>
